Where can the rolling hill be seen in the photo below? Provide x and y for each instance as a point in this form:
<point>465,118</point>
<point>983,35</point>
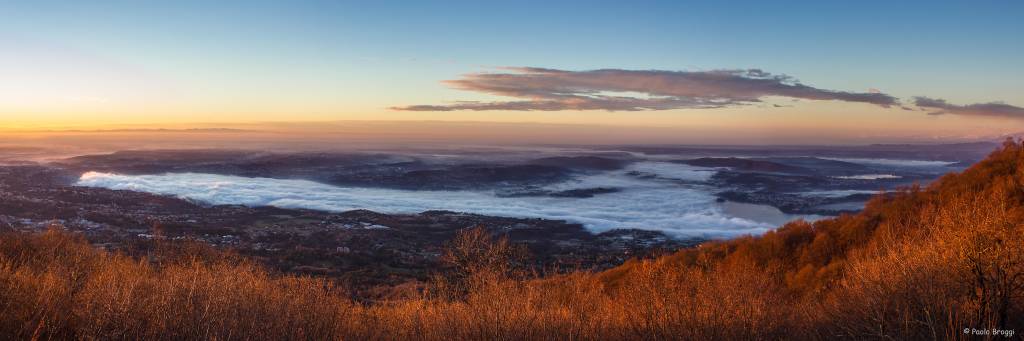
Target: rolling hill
<point>942,261</point>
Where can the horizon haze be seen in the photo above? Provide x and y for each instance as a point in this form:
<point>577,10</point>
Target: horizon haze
<point>525,170</point>
<point>672,72</point>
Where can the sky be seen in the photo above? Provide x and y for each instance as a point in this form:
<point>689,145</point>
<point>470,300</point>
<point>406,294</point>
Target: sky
<point>804,72</point>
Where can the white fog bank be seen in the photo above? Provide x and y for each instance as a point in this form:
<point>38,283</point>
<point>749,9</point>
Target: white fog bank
<point>659,204</point>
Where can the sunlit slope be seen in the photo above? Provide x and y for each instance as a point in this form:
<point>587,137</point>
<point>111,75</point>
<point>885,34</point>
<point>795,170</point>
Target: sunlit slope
<point>914,262</point>
<point>924,263</point>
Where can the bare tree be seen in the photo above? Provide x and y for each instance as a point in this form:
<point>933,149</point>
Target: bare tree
<point>475,258</point>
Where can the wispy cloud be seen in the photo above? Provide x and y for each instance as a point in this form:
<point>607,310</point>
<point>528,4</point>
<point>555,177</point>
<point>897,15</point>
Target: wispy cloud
<point>633,90</point>
<point>941,107</point>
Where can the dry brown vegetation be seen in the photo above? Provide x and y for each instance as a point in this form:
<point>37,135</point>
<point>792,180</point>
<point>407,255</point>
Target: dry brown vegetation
<point>923,263</point>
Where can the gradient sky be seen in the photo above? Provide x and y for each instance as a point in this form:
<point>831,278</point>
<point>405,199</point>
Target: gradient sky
<point>79,64</point>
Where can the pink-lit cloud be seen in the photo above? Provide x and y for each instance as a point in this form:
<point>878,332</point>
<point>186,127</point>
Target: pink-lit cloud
<point>941,107</point>
<point>633,90</point>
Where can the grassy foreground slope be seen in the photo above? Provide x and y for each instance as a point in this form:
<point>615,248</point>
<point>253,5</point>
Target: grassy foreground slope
<point>923,263</point>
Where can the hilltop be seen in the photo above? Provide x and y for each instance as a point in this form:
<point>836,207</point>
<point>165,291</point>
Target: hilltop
<point>919,263</point>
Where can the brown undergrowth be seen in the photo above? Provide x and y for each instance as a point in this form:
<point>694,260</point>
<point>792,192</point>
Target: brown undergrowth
<point>922,263</point>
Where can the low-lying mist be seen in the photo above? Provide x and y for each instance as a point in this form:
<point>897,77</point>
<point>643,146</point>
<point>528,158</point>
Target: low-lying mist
<point>668,197</point>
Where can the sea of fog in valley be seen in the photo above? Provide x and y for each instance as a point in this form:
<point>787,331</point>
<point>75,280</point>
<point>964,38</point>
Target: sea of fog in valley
<point>671,197</point>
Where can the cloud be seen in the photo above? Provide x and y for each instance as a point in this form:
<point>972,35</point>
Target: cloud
<point>633,90</point>
<point>941,107</point>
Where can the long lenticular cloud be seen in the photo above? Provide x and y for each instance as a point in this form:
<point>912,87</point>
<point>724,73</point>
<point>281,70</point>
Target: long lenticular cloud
<point>634,90</point>
<point>941,107</point>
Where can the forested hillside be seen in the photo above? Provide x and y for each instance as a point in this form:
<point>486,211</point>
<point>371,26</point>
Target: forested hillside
<point>922,263</point>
